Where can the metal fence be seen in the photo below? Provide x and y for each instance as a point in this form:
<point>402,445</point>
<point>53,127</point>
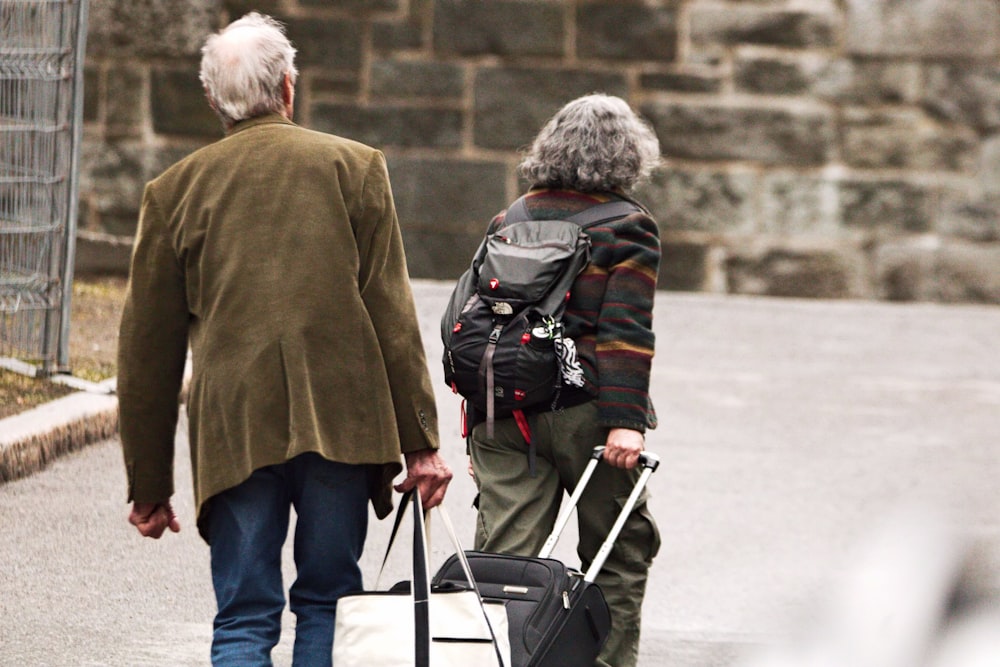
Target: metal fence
<point>41,75</point>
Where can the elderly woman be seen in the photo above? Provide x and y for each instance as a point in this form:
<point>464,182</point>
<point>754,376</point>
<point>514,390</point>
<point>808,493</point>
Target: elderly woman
<point>595,149</point>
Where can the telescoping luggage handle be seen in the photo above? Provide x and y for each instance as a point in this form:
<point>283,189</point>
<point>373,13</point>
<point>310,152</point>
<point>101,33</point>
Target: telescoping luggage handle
<point>649,462</point>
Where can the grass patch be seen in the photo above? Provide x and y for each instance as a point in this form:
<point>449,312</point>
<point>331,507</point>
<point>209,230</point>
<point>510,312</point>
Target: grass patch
<point>95,312</point>
<point>20,392</point>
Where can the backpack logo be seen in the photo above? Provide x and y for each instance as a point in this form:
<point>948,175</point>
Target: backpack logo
<point>494,283</point>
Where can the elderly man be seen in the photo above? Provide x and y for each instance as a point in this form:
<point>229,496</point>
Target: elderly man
<point>276,255</point>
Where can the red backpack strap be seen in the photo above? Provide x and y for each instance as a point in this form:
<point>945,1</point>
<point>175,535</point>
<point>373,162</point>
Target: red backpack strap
<point>525,428</point>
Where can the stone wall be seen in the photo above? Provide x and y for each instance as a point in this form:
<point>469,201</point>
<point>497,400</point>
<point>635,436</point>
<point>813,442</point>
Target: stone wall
<point>816,148</point>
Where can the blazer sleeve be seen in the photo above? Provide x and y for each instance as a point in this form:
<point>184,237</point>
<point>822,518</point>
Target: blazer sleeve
<point>152,349</point>
<point>384,283</point>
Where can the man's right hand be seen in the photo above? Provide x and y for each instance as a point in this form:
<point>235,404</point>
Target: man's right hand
<point>152,519</point>
<point>429,474</point>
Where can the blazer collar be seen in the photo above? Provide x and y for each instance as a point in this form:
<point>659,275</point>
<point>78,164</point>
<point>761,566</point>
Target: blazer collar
<point>266,119</point>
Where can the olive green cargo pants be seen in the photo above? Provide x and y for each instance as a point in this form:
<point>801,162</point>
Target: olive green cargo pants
<point>517,511</point>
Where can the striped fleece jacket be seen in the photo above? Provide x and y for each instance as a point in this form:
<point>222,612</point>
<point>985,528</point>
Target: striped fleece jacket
<point>610,310</point>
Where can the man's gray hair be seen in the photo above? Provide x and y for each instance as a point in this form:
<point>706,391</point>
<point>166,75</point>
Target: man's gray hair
<point>595,142</point>
<point>243,67</point>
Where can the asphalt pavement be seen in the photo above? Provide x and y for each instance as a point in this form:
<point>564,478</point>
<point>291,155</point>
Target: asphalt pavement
<point>790,431</point>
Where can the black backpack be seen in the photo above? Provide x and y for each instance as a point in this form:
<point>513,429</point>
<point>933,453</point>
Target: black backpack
<point>502,330</point>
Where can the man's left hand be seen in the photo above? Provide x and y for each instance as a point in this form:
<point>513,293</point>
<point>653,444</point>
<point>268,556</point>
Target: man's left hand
<point>426,471</point>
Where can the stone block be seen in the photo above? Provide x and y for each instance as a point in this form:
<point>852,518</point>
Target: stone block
<point>989,167</point>
<point>701,200</point>
<point>87,216</point>
<point>395,78</point>
<point>178,104</point>
<point>125,114</point>
<point>905,139</point>
<point>120,221</point>
<point>894,205</point>
<point>729,25</point>
<point>499,27</point>
<point>683,266</point>
<point>165,155</point>
<point>968,273</point>
<point>326,43</point>
<point>150,28</point>
<point>91,94</point>
<point>102,254</point>
<point>326,83</point>
<point>871,82</point>
<point>928,269</point>
<point>964,93</point>
<point>237,8</point>
<point>354,5</point>
<point>436,255</point>
<point>388,36</point>
<point>709,55</point>
<point>968,215</point>
<point>819,273</point>
<point>800,134</point>
<point>447,196</point>
<point>923,28</point>
<point>904,269</point>
<point>776,75</point>
<point>390,125</point>
<point>682,81</point>
<point>797,203</point>
<point>621,31</point>
<point>114,176</point>
<point>512,104</point>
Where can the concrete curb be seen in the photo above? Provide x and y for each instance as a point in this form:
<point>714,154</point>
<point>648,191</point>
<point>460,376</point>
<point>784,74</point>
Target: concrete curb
<point>31,440</point>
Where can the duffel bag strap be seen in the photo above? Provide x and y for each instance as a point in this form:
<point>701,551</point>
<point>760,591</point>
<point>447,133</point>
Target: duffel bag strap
<point>421,587</point>
<point>464,560</point>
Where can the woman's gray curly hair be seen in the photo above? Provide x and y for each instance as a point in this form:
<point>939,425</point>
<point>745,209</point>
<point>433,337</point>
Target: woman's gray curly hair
<point>243,68</point>
<point>595,142</point>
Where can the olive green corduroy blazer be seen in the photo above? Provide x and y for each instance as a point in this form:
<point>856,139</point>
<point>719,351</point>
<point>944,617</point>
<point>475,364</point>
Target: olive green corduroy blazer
<point>276,255</point>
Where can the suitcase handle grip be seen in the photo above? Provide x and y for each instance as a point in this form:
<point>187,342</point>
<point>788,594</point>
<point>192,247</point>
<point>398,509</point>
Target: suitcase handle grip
<point>646,459</point>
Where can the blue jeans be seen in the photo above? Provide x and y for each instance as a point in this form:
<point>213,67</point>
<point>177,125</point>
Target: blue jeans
<point>247,527</point>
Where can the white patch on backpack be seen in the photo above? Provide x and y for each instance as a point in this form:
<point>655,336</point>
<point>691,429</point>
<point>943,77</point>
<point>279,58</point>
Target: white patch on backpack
<point>569,365</point>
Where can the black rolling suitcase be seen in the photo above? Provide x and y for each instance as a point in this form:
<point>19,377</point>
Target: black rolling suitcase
<point>557,616</point>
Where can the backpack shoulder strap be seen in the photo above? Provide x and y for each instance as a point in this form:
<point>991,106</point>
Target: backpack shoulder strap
<point>517,212</point>
<point>609,210</point>
<point>616,208</point>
